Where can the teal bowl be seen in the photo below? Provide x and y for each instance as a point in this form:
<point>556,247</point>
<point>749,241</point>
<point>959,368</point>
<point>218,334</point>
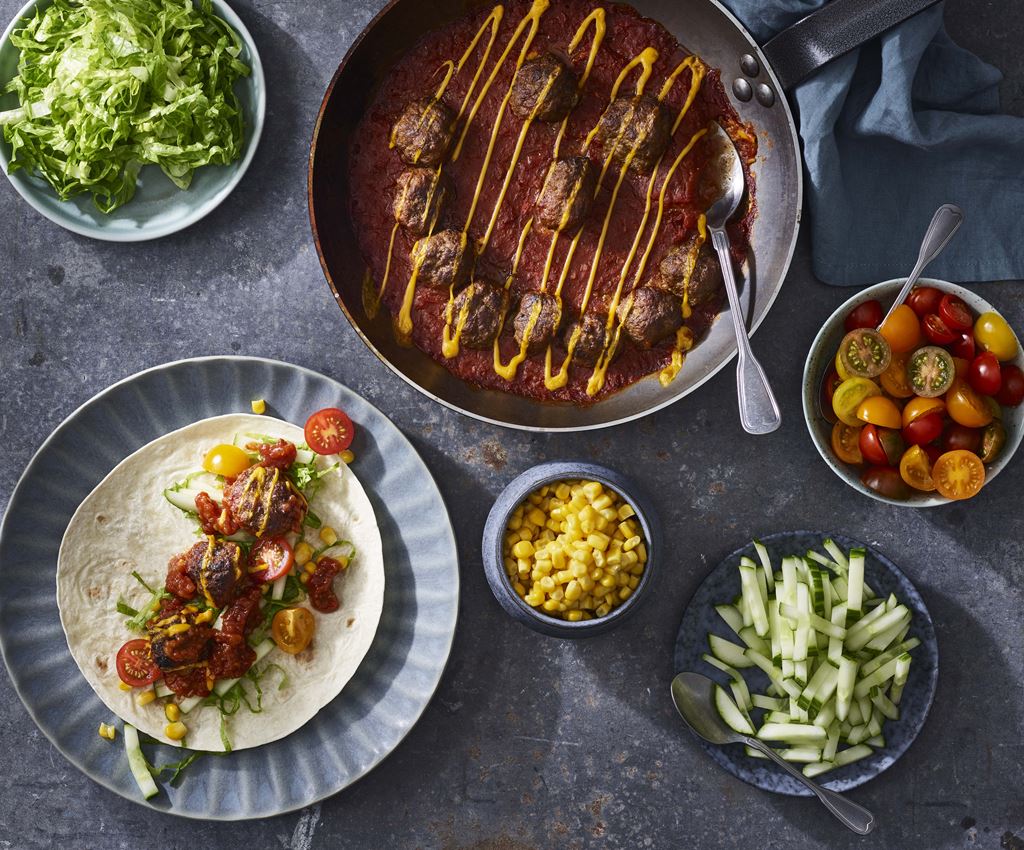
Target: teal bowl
<point>159,208</point>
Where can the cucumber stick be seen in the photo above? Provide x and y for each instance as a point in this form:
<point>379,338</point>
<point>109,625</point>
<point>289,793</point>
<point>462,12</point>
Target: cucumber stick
<point>137,762</point>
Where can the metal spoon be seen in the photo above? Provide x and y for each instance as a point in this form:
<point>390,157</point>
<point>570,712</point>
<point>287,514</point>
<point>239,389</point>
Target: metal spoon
<point>759,411</point>
<point>693,696</point>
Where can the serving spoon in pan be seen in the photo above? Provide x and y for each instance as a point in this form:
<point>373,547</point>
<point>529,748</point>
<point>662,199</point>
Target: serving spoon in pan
<point>759,411</point>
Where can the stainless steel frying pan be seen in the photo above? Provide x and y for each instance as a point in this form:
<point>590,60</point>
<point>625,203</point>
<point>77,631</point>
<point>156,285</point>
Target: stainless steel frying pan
<point>756,78</point>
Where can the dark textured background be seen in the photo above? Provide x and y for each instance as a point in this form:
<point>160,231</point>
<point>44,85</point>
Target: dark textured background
<point>530,743</point>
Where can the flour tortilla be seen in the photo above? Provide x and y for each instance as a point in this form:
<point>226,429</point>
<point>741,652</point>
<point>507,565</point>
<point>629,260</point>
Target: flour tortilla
<point>126,524</point>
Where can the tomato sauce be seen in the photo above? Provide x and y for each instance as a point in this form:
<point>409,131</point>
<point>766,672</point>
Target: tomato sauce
<point>374,169</point>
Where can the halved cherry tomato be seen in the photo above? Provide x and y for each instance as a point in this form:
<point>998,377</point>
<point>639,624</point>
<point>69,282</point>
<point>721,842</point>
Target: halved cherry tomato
<point>881,411</point>
<point>924,300</point>
<point>902,330</point>
<point>985,376</point>
<point>916,469</point>
<point>955,313</point>
<point>135,664</point>
<point>930,371</point>
<point>923,430</point>
<point>993,334</point>
<point>993,438</point>
<point>849,395</point>
<point>894,379</point>
<point>963,347</point>
<point>880,446</point>
<point>845,443</point>
<point>271,558</point>
<point>961,438</point>
<point>966,407</point>
<point>1011,393</point>
<point>885,481</point>
<point>918,407</point>
<point>329,431</point>
<point>958,474</point>
<point>866,315</point>
<point>840,368</point>
<point>227,460</point>
<point>292,629</point>
<point>863,353</point>
<point>937,331</point>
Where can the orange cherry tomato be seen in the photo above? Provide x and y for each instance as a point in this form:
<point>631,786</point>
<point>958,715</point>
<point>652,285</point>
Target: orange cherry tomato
<point>918,407</point>
<point>292,629</point>
<point>958,474</point>
<point>916,469</point>
<point>881,411</point>
<point>846,443</point>
<point>894,379</point>
<point>902,330</point>
<point>966,407</point>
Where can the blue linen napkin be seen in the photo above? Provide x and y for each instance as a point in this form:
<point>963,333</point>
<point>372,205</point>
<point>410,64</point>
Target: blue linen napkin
<point>890,132</point>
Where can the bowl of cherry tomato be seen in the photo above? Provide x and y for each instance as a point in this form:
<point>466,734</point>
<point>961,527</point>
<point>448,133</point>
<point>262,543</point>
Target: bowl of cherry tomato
<point>924,409</point>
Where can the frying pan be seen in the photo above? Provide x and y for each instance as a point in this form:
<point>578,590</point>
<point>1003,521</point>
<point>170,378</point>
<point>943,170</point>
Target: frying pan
<point>756,79</point>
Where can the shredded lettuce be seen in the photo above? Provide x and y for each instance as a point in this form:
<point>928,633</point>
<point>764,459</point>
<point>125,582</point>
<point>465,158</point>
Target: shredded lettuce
<point>107,86</point>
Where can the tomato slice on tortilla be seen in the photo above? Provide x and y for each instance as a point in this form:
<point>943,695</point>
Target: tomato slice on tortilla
<point>135,664</point>
<point>274,555</point>
<point>329,431</point>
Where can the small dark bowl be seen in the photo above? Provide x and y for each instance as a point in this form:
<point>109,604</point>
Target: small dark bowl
<point>497,521</point>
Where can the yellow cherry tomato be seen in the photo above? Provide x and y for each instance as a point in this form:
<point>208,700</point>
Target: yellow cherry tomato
<point>841,369</point>
<point>967,407</point>
<point>916,469</point>
<point>918,407</point>
<point>894,379</point>
<point>292,629</point>
<point>902,330</point>
<point>848,397</point>
<point>993,334</point>
<point>881,411</point>
<point>846,443</point>
<point>958,474</point>
<point>226,460</point>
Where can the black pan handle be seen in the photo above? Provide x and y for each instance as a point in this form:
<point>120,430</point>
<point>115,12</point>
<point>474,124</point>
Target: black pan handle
<point>834,29</point>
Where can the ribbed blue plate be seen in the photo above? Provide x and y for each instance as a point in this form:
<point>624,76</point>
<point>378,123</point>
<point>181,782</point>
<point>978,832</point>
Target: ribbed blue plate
<point>393,685</point>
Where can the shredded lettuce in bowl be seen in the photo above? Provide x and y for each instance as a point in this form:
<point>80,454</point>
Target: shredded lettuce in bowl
<point>107,86</point>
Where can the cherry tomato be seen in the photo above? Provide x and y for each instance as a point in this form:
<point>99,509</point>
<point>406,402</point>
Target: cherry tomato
<point>930,371</point>
<point>916,469</point>
<point>961,367</point>
<point>984,376</point>
<point>958,474</point>
<point>863,353</point>
<point>963,347</point>
<point>923,430</point>
<point>1011,393</point>
<point>918,407</point>
<point>959,437</point>
<point>902,330</point>
<point>880,446</point>
<point>937,331</point>
<point>924,300</point>
<point>866,315</point>
<point>840,367</point>
<point>828,390</point>
<point>881,411</point>
<point>329,431</point>
<point>135,664</point>
<point>955,313</point>
<point>966,407</point>
<point>933,452</point>
<point>993,438</point>
<point>993,334</point>
<point>885,481</point>
<point>226,460</point>
<point>848,397</point>
<point>271,558</point>
<point>845,443</point>
<point>894,379</point>
<point>292,629</point>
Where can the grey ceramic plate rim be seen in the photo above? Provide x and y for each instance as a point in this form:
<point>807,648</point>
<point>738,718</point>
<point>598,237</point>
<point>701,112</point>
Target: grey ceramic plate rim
<point>28,190</point>
<point>838,780</point>
<point>101,396</point>
<point>812,379</point>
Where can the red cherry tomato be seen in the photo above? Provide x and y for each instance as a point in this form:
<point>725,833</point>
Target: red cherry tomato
<point>923,430</point>
<point>1011,393</point>
<point>985,376</point>
<point>135,664</point>
<point>274,555</point>
<point>329,431</point>
<point>924,300</point>
<point>880,446</point>
<point>959,437</point>
<point>937,331</point>
<point>866,315</point>
<point>933,452</point>
<point>963,347</point>
<point>885,481</point>
<point>955,313</point>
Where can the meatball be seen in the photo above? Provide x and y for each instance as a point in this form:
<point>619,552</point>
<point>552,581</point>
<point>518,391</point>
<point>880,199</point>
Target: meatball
<point>216,568</point>
<point>650,315</point>
<point>265,503</point>
<point>444,259</point>
<point>419,196</point>
<point>690,268</point>
<point>635,123</point>
<point>546,84</point>
<point>181,650</point>
<point>548,317</point>
<point>706,282</point>
<point>423,131</point>
<point>567,193</point>
<point>486,303</point>
<point>593,336</point>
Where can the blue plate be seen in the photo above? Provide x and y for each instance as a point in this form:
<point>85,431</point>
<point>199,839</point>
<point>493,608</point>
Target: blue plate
<point>723,585</point>
<point>377,707</point>
<point>159,208</point>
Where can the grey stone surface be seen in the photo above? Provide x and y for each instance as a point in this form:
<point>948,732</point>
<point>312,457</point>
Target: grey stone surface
<point>530,742</point>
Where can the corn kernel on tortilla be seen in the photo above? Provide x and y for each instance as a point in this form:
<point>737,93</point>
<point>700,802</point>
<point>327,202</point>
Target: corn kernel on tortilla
<point>126,524</point>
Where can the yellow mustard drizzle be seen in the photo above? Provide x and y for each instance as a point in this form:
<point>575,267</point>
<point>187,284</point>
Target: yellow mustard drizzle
<point>508,370</point>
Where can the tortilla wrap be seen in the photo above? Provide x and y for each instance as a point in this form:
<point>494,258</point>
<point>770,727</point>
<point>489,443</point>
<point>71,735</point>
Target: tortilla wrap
<point>126,524</point>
